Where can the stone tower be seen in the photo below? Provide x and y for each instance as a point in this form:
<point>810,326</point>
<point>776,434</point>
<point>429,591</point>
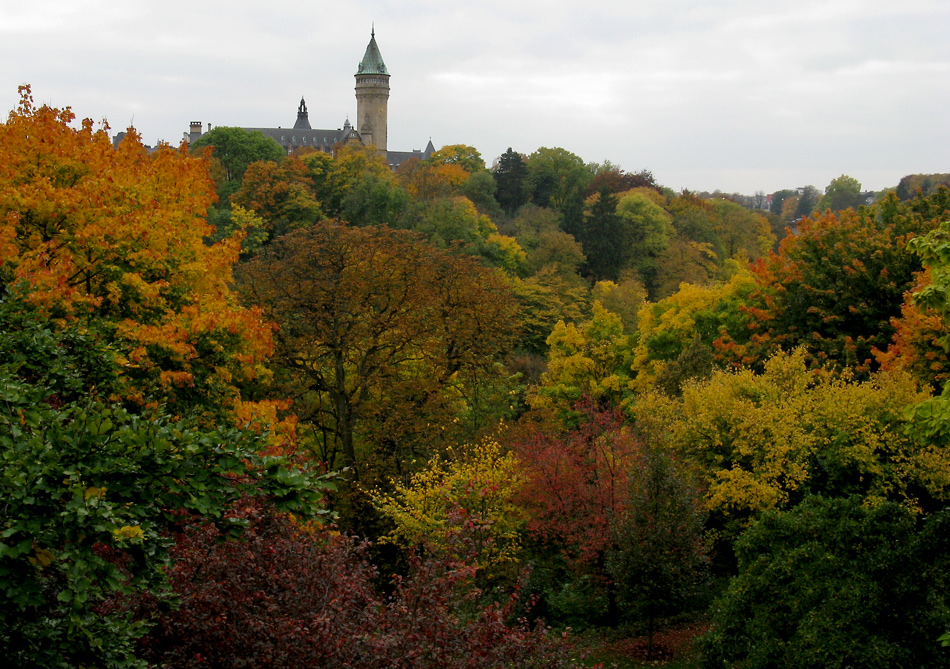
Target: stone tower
<point>372,96</point>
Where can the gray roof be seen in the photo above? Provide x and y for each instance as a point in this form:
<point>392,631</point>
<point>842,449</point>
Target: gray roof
<point>299,137</point>
<point>372,62</point>
<point>395,158</point>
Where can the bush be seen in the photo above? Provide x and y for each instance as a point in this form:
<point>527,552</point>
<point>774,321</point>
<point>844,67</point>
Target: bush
<point>293,597</point>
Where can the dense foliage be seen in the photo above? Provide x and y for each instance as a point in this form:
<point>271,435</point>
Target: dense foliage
<point>549,388</point>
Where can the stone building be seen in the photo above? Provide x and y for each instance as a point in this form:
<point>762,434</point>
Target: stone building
<point>372,106</point>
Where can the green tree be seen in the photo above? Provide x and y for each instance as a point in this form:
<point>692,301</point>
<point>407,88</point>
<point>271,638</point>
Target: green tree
<point>778,199</point>
<point>92,493</point>
<point>556,177</point>
<point>658,557</point>
<point>605,237</point>
<point>842,193</point>
<point>235,149</point>
<point>648,231</point>
<point>807,202</point>
<point>834,583</point>
<point>511,175</point>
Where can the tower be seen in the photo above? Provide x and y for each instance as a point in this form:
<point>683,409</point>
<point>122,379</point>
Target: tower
<point>372,96</point>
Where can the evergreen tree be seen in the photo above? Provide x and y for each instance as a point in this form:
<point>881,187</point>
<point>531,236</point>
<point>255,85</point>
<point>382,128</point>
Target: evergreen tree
<point>510,175</point>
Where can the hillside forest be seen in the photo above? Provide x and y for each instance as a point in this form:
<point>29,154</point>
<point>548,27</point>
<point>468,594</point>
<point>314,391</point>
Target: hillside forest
<point>306,410</point>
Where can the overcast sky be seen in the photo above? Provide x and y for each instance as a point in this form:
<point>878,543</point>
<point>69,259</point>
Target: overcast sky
<point>739,95</point>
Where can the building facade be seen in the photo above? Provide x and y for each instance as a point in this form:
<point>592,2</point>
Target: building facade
<point>372,114</point>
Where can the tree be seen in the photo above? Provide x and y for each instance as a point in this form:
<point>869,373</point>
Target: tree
<point>375,327</point>
<point>807,202</point>
<point>466,157</point>
<point>290,595</point>
<point>778,200</point>
<point>556,177</point>
<point>588,360</point>
<point>742,233</point>
<point>511,175</point>
<point>842,193</point>
<point>834,583</point>
<point>617,180</point>
<point>116,236</point>
<point>92,492</point>
<point>764,441</point>
<point>605,236</point>
<point>280,194</point>
<point>334,177</point>
<point>465,498</point>
<point>575,493</point>
<point>836,285</point>
<point>658,560</point>
<point>236,148</point>
<point>648,236</point>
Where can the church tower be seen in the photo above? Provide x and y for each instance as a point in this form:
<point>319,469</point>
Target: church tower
<point>372,96</point>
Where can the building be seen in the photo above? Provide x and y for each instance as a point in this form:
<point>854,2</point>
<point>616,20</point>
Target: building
<point>372,108</point>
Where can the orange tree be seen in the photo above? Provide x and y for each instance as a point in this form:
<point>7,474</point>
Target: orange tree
<point>116,236</point>
<point>835,287</point>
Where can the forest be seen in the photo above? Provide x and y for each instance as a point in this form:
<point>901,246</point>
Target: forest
<point>306,410</point>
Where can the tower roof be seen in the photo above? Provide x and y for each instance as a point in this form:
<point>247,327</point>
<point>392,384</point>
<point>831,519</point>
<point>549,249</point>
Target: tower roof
<point>372,62</point>
<point>303,120</point>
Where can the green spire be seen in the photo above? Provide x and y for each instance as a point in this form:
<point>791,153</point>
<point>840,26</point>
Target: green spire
<point>372,62</point>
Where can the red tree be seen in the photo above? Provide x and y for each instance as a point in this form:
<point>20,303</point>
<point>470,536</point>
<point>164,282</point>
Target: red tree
<point>288,596</point>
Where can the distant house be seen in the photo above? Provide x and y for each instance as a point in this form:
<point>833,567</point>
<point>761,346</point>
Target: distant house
<point>372,99</point>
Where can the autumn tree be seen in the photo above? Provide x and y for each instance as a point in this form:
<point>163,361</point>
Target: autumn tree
<point>280,194</point>
<point>836,286</point>
<point>335,177</point>
<point>117,236</point>
<point>575,492</point>
<point>292,595</point>
<point>617,180</point>
<point>462,499</point>
<point>376,329</point>
<point>764,441</point>
<point>466,157</point>
<point>586,360</point>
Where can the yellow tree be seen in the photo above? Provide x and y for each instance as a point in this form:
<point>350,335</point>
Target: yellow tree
<point>468,495</point>
<point>589,360</point>
<point>763,441</point>
<point>117,235</point>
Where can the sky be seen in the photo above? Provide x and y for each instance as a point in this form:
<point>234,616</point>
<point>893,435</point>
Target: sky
<point>735,95</point>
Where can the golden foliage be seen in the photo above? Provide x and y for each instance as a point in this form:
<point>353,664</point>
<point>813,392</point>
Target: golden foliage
<point>763,440</point>
<point>470,492</point>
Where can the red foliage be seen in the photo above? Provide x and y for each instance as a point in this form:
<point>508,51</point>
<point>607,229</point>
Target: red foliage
<point>285,596</point>
<point>577,482</point>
